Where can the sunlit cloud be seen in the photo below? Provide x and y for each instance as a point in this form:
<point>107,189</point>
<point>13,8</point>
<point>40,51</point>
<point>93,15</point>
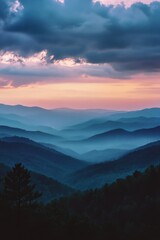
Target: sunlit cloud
<point>126,2</point>
<point>10,57</point>
<point>71,62</point>
<point>36,68</point>
<point>115,2</point>
<point>16,6</point>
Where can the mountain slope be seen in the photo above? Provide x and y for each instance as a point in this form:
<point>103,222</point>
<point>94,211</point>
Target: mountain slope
<point>148,112</point>
<point>37,158</point>
<point>34,135</point>
<point>101,156</point>
<point>8,120</point>
<point>121,133</point>
<point>99,174</point>
<point>49,187</point>
<point>97,126</point>
<point>114,139</point>
<point>92,156</point>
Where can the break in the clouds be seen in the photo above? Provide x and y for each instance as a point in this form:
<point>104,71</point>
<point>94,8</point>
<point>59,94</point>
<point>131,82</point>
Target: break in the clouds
<point>48,39</point>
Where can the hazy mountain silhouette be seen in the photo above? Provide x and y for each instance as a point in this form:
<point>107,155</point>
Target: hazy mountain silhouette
<point>34,135</point>
<point>10,122</point>
<point>37,158</point>
<point>51,118</point>
<point>114,139</point>
<point>103,155</point>
<point>98,126</point>
<point>148,112</point>
<point>121,133</point>
<point>92,156</point>
<point>96,175</point>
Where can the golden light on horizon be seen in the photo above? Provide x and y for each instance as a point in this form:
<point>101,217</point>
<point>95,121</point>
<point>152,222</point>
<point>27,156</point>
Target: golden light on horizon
<point>124,94</point>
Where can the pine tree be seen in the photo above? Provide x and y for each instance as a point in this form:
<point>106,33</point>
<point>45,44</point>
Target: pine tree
<point>18,190</point>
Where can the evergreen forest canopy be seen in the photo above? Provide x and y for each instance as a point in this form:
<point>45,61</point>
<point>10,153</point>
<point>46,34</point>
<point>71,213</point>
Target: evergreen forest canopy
<point>127,209</point>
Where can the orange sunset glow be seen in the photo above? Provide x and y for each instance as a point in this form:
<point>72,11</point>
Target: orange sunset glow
<point>125,94</point>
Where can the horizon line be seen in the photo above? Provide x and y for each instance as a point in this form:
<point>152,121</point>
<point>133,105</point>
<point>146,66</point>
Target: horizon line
<point>78,108</point>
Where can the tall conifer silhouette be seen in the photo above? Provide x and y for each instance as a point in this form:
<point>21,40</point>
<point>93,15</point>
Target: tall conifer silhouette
<point>19,192</point>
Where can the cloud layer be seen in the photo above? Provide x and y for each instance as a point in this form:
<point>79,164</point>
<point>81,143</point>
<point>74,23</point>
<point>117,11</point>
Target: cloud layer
<point>122,41</point>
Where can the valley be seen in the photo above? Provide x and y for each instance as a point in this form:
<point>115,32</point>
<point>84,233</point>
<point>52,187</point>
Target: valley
<point>97,147</point>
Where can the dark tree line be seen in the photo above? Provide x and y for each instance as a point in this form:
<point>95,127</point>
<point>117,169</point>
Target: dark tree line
<point>128,209</point>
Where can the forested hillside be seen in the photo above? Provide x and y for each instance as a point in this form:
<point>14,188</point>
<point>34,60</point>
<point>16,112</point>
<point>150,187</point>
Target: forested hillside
<point>126,209</point>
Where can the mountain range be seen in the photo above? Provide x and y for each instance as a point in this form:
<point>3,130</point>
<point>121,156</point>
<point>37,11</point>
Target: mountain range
<point>97,126</point>
<point>50,117</point>
<point>68,149</point>
<point>114,139</point>
<point>107,172</point>
<point>37,157</point>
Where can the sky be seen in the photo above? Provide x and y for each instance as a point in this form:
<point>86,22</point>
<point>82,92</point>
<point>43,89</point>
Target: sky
<point>80,53</point>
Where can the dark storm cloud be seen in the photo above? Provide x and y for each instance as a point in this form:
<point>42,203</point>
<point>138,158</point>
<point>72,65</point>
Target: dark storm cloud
<point>126,38</point>
<point>5,8</point>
